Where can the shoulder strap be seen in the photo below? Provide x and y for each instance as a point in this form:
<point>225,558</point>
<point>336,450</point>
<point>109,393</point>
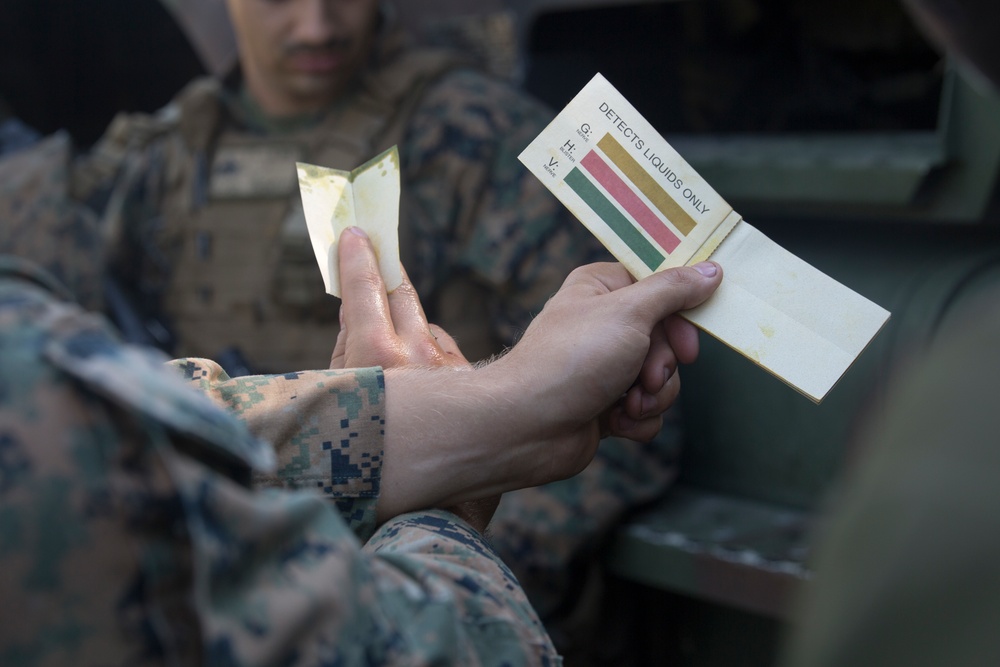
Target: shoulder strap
<point>201,110</point>
<point>196,112</point>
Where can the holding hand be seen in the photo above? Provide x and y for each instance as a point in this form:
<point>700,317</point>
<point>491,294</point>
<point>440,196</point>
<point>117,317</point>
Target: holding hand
<point>391,331</point>
<point>602,355</point>
<point>616,335</point>
<point>601,358</point>
<point>380,329</point>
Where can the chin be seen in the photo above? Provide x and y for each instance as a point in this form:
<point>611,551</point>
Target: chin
<point>316,91</point>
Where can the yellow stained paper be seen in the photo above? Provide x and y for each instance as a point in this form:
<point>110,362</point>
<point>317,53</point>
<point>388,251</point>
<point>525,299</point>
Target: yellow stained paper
<point>367,197</point>
<point>653,211</point>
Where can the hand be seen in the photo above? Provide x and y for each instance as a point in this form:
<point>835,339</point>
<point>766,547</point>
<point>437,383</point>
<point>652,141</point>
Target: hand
<point>600,357</point>
<point>380,329</point>
<point>603,354</point>
<point>391,331</point>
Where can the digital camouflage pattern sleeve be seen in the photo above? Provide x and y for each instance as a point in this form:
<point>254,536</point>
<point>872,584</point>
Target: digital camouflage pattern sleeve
<point>130,534</point>
<point>327,428</point>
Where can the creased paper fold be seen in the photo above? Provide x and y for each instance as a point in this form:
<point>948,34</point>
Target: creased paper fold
<point>367,197</point>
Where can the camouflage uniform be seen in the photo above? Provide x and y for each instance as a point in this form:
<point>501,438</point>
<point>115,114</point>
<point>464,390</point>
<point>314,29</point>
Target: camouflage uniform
<point>14,135</point>
<point>201,205</point>
<point>552,534</point>
<point>39,220</point>
<point>131,531</point>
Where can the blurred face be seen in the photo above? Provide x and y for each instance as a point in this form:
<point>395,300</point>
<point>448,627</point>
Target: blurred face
<point>299,55</point>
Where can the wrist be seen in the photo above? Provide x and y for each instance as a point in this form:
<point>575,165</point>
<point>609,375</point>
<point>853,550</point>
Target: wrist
<point>552,440</point>
<point>451,436</point>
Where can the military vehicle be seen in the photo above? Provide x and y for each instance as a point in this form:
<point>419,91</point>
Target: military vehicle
<point>839,131</point>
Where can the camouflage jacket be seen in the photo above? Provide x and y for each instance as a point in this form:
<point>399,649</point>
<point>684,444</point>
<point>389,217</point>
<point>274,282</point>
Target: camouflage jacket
<point>482,239</point>
<point>131,531</point>
<point>540,532</point>
<point>202,208</point>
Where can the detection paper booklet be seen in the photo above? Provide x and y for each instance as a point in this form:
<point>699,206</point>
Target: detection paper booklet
<point>653,211</point>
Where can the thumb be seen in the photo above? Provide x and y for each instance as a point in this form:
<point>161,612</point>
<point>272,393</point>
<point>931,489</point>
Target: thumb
<point>673,290</point>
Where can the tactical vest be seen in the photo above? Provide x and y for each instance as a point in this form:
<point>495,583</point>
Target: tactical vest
<point>243,271</point>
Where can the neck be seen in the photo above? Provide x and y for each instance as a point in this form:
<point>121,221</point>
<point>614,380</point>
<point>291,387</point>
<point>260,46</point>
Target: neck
<point>252,114</point>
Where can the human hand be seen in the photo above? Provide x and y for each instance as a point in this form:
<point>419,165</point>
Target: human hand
<point>602,356</point>
<point>380,329</point>
<point>599,359</point>
<point>391,331</point>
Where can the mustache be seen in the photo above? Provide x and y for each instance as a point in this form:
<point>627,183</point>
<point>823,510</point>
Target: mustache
<point>324,47</point>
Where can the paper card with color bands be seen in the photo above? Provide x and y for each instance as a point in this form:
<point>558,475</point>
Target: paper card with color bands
<point>647,205</point>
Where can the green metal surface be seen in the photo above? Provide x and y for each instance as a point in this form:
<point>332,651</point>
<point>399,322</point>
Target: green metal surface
<point>751,436</point>
<point>885,169</point>
<point>760,461</point>
<point>744,554</point>
<point>945,174</point>
<point>896,210</point>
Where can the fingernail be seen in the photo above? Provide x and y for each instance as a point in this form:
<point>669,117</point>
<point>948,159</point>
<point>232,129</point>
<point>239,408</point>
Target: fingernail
<point>706,269</point>
<point>357,231</point>
<point>625,423</point>
<point>648,404</point>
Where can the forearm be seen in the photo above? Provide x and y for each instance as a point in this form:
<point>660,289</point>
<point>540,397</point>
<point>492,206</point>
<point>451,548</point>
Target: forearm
<point>453,436</point>
<point>449,435</point>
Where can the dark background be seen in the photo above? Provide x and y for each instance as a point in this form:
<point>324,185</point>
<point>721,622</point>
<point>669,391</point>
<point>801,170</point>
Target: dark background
<point>706,65</point>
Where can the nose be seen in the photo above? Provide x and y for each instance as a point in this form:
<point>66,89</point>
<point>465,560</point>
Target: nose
<point>315,22</point>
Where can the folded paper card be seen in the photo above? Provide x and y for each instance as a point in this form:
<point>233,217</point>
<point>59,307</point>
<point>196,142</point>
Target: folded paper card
<point>367,197</point>
<point>653,211</point>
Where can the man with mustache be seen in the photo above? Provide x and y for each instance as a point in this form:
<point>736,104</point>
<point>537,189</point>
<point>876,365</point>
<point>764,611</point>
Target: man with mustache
<point>205,219</point>
<point>210,257</point>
